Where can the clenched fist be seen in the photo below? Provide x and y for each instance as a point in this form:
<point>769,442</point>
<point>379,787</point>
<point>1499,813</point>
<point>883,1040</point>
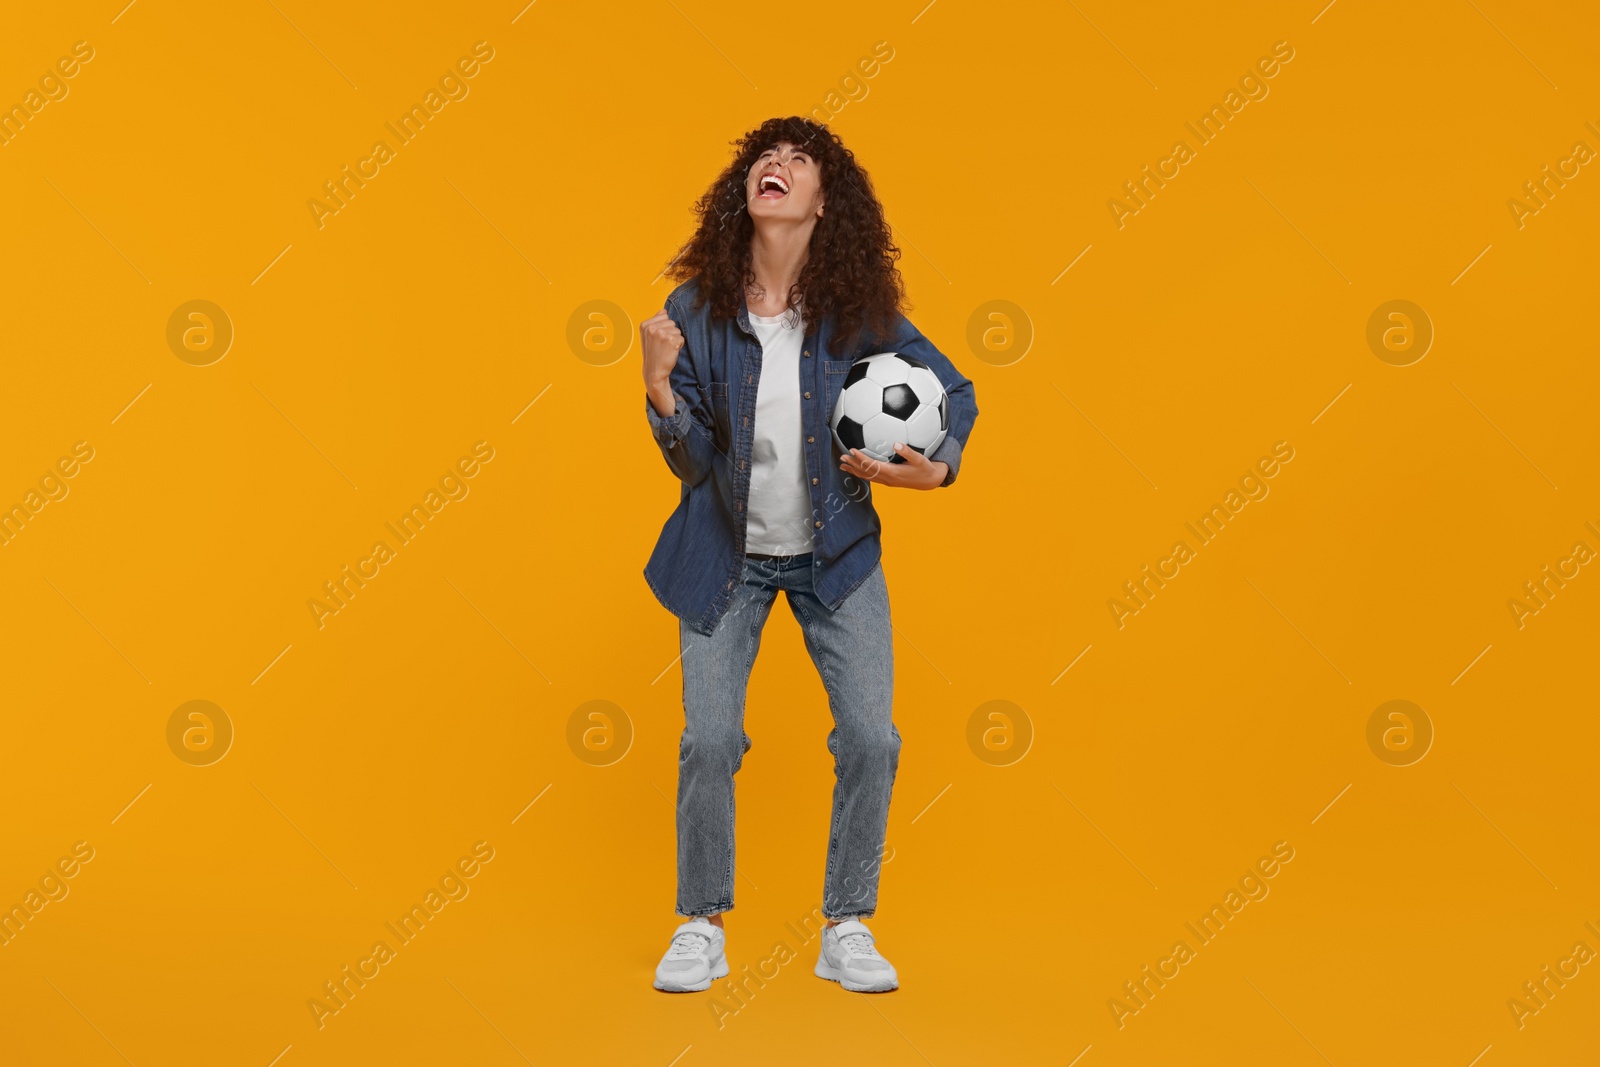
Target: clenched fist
<point>661,340</point>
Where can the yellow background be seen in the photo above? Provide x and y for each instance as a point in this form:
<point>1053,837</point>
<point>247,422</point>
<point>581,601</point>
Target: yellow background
<point>430,712</point>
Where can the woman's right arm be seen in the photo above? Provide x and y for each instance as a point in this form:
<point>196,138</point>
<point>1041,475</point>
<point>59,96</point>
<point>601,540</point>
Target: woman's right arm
<point>678,415</point>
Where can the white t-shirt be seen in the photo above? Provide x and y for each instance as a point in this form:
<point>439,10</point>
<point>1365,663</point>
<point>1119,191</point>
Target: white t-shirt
<point>780,504</point>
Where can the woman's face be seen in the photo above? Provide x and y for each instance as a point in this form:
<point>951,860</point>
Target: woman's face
<point>784,184</point>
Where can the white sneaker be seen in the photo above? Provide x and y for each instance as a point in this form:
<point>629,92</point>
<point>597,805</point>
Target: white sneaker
<point>849,957</point>
<point>693,959</point>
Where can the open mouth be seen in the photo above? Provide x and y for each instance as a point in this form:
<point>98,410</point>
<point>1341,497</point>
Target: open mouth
<point>771,187</point>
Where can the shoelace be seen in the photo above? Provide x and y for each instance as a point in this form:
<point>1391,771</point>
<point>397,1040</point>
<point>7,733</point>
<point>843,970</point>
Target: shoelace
<point>687,945</point>
<point>860,945</point>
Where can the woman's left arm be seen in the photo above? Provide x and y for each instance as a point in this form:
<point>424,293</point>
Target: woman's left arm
<point>959,388</point>
<point>963,407</point>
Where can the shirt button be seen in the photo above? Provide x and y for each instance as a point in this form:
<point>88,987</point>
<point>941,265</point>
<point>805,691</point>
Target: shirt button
<point>808,396</point>
<point>809,439</point>
<point>808,354</point>
<point>819,524</point>
<point>813,481</point>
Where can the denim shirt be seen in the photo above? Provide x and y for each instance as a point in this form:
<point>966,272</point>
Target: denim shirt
<point>708,439</point>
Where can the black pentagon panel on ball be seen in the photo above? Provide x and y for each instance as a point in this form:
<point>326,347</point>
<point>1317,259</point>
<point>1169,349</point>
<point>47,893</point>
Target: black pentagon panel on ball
<point>849,431</point>
<point>912,360</point>
<point>900,401</point>
<point>944,412</point>
<point>857,373</point>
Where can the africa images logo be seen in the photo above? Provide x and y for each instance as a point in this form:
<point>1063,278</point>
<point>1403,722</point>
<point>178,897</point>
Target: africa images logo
<point>1253,486</point>
<point>343,589</point>
<point>1253,85</point>
<point>452,86</point>
<point>338,992</point>
<point>1252,887</point>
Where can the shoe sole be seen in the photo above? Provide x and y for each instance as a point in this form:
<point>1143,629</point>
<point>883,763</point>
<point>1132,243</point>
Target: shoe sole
<point>833,975</point>
<point>719,969</point>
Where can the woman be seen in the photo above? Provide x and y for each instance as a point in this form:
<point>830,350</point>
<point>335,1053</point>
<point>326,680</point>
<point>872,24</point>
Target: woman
<point>788,278</point>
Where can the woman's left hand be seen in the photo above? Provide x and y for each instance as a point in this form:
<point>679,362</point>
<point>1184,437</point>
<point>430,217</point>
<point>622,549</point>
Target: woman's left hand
<point>917,472</point>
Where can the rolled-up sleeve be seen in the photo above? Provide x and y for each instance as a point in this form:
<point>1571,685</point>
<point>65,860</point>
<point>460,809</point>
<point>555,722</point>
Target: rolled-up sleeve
<point>958,388</point>
<point>669,429</point>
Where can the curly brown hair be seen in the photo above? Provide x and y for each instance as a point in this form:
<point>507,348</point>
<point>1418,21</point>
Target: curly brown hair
<point>849,271</point>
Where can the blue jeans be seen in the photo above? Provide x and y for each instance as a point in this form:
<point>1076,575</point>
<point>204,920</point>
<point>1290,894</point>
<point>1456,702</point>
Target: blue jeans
<point>853,652</point>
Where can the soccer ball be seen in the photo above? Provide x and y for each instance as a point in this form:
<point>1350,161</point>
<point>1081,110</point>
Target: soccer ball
<point>889,397</point>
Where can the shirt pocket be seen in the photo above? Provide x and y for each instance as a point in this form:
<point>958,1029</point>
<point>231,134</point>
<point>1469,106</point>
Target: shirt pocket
<point>834,374</point>
<point>720,415</point>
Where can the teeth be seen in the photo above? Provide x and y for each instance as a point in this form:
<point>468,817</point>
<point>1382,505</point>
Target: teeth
<point>774,180</point>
